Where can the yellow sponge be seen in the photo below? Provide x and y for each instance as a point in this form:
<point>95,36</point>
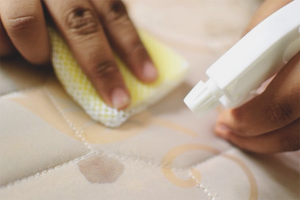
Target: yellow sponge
<point>171,69</point>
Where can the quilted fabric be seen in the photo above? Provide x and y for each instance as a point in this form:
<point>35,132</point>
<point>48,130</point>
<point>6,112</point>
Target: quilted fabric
<point>171,68</point>
<point>51,149</point>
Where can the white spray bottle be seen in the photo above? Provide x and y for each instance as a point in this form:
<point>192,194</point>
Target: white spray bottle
<point>243,68</point>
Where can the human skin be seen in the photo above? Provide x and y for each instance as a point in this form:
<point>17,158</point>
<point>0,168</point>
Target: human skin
<point>92,30</point>
<point>270,122</point>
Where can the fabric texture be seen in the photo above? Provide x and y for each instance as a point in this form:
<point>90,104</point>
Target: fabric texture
<point>51,149</point>
<point>171,68</point>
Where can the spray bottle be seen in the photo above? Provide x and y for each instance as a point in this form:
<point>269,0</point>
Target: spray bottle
<point>259,55</point>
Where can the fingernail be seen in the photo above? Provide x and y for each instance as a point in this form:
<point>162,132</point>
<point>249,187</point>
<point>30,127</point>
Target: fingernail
<point>150,72</point>
<point>223,131</point>
<point>120,98</point>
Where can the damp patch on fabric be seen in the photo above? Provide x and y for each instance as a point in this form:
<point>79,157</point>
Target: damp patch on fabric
<point>99,169</point>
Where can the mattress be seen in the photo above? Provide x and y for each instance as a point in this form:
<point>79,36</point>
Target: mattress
<point>51,149</point>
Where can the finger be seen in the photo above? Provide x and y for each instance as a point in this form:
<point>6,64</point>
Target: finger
<point>265,10</point>
<point>284,139</point>
<point>275,108</point>
<point>124,38</point>
<point>6,46</point>
<point>25,25</point>
<point>77,21</point>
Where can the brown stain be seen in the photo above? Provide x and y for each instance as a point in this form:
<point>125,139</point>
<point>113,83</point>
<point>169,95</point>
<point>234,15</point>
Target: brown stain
<point>98,134</point>
<point>99,169</point>
<point>92,132</point>
<point>174,153</point>
<point>38,103</point>
<point>253,185</point>
<point>174,126</point>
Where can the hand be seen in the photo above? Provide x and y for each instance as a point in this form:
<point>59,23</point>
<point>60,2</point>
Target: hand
<point>91,28</point>
<point>270,122</point>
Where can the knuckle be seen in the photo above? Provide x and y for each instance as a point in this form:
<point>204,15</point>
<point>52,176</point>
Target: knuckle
<point>134,48</point>
<point>105,70</point>
<point>115,11</point>
<point>280,111</point>
<point>81,20</point>
<point>290,142</point>
<point>21,24</point>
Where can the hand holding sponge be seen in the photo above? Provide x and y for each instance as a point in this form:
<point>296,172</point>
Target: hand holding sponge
<point>171,69</point>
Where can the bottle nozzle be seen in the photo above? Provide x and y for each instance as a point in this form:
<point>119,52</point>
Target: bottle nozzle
<point>201,99</point>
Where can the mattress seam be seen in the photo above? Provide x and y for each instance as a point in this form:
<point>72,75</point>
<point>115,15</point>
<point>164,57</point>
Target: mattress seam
<point>79,134</point>
<point>46,171</point>
<point>102,153</point>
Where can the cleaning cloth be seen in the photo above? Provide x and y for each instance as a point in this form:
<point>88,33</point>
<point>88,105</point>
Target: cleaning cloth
<point>171,68</point>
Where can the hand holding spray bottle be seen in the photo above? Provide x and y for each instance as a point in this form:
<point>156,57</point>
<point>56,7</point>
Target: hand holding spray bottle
<point>259,55</point>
